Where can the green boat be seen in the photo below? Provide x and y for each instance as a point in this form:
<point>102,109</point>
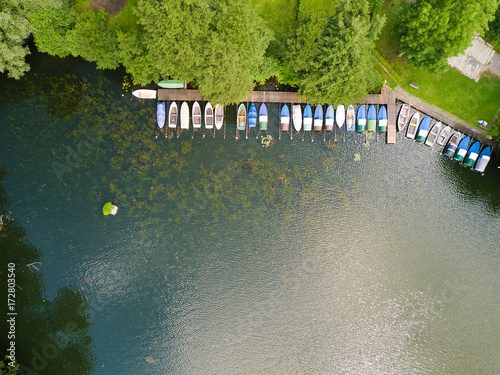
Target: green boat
<point>242,118</point>
<point>171,84</point>
<point>371,119</point>
<point>263,117</point>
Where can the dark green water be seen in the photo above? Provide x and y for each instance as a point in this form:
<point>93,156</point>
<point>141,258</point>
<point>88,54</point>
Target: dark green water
<point>226,257</point>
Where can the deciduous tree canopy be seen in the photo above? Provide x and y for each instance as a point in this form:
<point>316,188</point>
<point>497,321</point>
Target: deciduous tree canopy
<point>331,56</point>
<point>433,30</point>
<point>219,45</point>
<point>15,28</point>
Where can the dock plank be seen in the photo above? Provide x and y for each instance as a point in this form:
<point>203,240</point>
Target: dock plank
<point>255,96</point>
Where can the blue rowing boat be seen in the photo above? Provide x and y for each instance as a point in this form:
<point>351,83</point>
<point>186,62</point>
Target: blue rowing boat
<point>382,119</point>
<point>263,117</point>
<point>308,118</point>
<point>361,125</point>
<point>252,116</point>
<point>483,160</point>
<point>329,119</point>
<point>371,119</point>
<point>318,118</point>
<point>160,114</point>
<point>423,129</point>
<point>472,154</point>
<point>462,149</point>
<point>284,118</point>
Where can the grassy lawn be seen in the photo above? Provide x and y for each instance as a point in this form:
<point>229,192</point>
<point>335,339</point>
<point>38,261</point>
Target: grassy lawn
<point>306,7</point>
<point>125,19</point>
<point>280,15</point>
<point>449,90</point>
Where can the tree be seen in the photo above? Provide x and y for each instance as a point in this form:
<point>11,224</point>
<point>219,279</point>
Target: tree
<point>494,27</point>
<point>92,40</point>
<point>331,55</point>
<point>15,28</point>
<point>62,31</point>
<point>51,27</point>
<point>433,30</point>
<point>219,45</point>
<point>135,57</point>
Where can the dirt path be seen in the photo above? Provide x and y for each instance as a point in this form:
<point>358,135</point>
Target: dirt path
<point>113,7</point>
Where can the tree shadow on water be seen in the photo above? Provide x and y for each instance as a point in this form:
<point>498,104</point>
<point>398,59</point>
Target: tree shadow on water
<point>57,81</point>
<point>46,337</point>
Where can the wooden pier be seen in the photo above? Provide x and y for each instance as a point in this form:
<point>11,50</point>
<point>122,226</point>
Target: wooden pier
<point>255,96</point>
<point>391,114</point>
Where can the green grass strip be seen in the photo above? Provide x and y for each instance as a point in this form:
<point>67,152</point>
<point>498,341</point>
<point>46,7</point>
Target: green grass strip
<point>388,66</point>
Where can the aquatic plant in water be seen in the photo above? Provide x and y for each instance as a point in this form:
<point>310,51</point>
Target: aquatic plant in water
<point>267,141</point>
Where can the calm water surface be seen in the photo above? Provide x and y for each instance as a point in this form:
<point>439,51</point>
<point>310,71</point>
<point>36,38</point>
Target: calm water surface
<point>226,257</point>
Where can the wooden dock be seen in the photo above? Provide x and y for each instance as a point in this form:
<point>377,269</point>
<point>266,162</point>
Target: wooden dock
<point>390,99</point>
<point>255,96</point>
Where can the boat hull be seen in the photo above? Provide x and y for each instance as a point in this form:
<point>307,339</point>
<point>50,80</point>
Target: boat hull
<point>209,116</point>
<point>263,117</point>
<point>184,116</point>
<point>219,116</point>
<point>462,149</point>
<point>371,119</point>
<point>297,117</point>
<point>318,118</point>
<point>285,119</point>
<point>452,145</point>
<point>196,115</point>
<point>404,115</point>
<point>361,124</point>
<point>382,119</point>
<point>252,116</point>
<point>433,134</point>
<point>413,126</point>
<point>242,117</point>
<point>173,115</point>
<point>443,136</point>
<point>472,154</point>
<point>144,94</point>
<point>483,160</point>
<point>423,129</point>
<point>350,119</point>
<point>340,116</point>
<point>171,84</point>
<point>308,119</point>
<point>329,119</point>
<point>160,114</point>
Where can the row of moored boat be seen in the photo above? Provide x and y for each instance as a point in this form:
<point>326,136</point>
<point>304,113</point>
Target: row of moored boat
<point>211,116</point>
<point>454,144</point>
<point>302,119</point>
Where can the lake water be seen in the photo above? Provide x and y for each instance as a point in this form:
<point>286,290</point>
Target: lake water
<point>227,257</point>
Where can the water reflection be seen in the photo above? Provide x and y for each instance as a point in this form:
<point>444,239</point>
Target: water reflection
<point>52,336</point>
<point>227,257</point>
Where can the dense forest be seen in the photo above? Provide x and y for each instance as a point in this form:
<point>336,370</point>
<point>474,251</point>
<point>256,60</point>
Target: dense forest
<point>224,47</point>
